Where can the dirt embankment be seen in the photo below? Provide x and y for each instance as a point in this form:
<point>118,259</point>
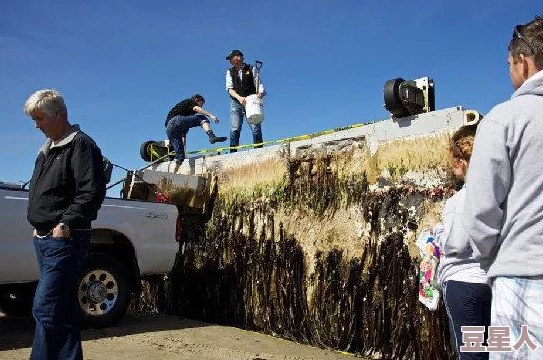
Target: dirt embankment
<point>165,337</point>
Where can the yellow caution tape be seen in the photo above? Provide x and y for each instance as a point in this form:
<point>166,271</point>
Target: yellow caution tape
<point>157,155</point>
<point>154,154</point>
<point>280,141</point>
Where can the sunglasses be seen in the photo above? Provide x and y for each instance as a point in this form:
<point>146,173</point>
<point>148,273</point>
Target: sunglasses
<point>522,38</point>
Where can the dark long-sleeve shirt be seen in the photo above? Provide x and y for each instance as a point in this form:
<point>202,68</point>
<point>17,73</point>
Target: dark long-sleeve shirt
<point>68,184</point>
<point>185,108</point>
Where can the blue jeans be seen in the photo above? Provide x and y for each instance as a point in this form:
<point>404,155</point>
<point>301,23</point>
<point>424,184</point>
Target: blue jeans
<point>237,113</point>
<point>179,126</point>
<point>58,329</point>
<point>467,304</point>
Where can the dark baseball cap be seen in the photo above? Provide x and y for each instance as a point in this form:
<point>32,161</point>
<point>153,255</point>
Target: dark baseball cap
<point>234,53</point>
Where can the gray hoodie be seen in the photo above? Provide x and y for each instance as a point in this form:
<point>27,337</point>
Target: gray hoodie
<point>503,211</point>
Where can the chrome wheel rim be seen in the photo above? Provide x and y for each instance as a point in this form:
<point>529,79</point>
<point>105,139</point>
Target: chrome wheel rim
<point>98,292</point>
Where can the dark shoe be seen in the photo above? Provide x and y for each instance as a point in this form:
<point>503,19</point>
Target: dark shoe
<point>213,139</point>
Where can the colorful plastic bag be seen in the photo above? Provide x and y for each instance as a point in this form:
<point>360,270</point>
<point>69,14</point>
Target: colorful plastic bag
<point>429,290</point>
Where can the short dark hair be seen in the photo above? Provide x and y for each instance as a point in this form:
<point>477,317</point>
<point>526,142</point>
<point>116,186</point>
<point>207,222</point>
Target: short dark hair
<point>528,40</point>
<point>198,97</point>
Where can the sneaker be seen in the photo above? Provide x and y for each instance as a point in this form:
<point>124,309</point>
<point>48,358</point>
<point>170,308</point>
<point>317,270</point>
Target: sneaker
<point>213,139</point>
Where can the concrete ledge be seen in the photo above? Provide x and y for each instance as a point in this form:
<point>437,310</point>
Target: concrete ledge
<point>372,134</point>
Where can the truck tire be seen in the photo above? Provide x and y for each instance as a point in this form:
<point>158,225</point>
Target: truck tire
<point>103,291</point>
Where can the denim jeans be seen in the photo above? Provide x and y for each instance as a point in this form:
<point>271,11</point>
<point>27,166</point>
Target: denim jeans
<point>179,126</point>
<point>58,329</point>
<point>237,113</point>
<point>467,304</point>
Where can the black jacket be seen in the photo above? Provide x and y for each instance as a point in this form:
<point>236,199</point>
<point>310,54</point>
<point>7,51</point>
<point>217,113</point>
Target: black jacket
<point>246,85</point>
<point>68,184</point>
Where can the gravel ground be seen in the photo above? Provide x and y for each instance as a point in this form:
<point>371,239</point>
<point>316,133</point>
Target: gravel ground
<point>165,337</point>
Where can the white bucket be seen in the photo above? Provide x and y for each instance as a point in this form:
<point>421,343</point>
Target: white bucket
<point>254,109</point>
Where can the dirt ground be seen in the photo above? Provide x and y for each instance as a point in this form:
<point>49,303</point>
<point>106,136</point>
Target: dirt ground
<point>165,337</point>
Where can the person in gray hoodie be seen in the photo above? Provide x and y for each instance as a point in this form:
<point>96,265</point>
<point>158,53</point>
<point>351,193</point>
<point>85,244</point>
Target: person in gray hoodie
<point>466,294</point>
<point>503,212</point>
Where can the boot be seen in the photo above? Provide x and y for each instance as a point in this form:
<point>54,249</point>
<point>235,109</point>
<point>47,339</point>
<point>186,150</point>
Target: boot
<point>176,167</point>
<point>213,139</point>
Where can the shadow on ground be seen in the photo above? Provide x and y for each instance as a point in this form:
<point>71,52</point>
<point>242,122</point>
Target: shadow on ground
<point>18,332</point>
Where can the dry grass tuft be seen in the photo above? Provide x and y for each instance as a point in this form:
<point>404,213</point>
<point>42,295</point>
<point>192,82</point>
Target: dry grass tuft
<point>184,195</point>
<point>247,177</point>
<point>395,156</point>
<point>422,153</point>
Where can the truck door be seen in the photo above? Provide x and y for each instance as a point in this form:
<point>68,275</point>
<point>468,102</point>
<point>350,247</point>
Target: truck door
<point>17,255</point>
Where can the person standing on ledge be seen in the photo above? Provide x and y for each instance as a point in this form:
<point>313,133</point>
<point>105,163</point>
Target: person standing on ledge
<point>240,83</point>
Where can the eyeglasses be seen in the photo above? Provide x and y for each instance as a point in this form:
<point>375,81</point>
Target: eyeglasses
<point>519,35</point>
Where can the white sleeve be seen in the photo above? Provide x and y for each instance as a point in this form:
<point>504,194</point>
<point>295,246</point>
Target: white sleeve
<point>452,238</point>
<point>228,80</point>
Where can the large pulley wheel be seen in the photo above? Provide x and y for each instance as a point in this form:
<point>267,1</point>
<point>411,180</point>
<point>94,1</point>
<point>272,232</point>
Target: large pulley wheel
<point>153,150</point>
<point>393,100</point>
<point>145,150</point>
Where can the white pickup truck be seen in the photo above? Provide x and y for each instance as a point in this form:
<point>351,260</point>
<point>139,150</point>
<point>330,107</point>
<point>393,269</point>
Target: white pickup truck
<point>129,239</point>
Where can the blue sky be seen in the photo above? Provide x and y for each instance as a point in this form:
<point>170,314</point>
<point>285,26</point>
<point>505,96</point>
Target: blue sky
<point>121,65</point>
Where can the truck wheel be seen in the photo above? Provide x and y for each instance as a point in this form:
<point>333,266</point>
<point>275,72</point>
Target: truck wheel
<point>103,291</point>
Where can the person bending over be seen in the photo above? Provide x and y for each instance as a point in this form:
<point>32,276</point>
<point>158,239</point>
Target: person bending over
<point>184,115</point>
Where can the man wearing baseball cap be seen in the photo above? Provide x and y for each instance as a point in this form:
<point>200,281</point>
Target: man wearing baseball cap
<point>240,83</point>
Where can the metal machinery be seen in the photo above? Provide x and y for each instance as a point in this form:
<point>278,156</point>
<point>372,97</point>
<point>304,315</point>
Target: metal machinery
<point>409,97</point>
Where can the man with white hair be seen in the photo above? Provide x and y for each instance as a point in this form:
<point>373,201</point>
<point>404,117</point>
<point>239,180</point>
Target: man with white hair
<point>67,188</point>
